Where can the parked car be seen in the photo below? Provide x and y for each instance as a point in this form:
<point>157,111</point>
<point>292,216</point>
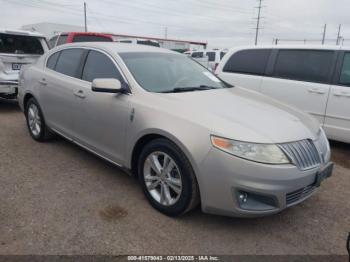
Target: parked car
<point>213,57</point>
<point>17,48</point>
<point>312,78</point>
<point>138,41</point>
<point>72,37</point>
<point>184,133</point>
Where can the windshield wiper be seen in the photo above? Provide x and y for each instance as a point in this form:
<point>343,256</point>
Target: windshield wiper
<point>190,88</point>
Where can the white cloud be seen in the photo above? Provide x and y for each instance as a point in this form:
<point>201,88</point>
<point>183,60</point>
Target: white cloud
<point>222,23</point>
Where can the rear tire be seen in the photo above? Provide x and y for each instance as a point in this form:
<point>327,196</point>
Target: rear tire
<point>36,122</point>
<point>167,178</point>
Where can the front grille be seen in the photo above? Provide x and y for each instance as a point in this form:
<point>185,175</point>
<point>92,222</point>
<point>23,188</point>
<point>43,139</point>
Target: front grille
<point>299,194</point>
<point>302,153</point>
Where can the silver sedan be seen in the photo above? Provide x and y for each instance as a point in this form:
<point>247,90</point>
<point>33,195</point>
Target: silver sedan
<point>189,137</point>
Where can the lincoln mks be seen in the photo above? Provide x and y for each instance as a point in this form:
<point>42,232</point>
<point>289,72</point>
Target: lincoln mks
<point>189,137</point>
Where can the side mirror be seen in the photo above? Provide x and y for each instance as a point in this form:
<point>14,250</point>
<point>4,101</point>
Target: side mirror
<point>106,85</point>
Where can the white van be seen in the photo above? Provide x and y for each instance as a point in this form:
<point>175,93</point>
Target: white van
<point>315,79</point>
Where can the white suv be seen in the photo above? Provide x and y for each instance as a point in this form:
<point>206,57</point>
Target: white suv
<point>17,48</point>
<point>315,79</point>
<point>213,57</point>
<point>139,41</point>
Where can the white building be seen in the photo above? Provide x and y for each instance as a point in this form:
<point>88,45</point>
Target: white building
<point>51,29</point>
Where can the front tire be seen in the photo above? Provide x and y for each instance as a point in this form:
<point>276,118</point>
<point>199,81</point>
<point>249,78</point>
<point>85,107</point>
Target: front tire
<point>167,178</point>
<point>36,123</point>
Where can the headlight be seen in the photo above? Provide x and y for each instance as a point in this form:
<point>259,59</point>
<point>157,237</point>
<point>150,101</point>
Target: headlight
<point>264,153</point>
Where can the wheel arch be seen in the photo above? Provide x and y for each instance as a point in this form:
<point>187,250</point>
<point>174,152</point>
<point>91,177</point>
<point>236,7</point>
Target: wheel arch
<point>26,98</point>
<point>146,138</point>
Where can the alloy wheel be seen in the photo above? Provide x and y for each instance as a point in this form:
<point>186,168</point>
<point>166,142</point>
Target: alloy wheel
<point>162,178</point>
<point>34,119</point>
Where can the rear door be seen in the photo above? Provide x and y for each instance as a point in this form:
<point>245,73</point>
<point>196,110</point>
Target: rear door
<point>301,78</point>
<point>245,68</point>
<point>59,85</point>
<point>337,122</point>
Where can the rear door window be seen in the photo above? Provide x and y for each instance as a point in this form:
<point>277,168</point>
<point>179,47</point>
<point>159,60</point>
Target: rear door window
<point>91,38</point>
<point>252,61</point>
<point>304,65</point>
<point>99,65</point>
<point>19,44</point>
<point>69,62</point>
<point>52,61</point>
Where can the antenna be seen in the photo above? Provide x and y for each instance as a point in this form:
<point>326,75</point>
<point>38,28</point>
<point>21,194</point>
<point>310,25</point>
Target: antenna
<point>324,33</point>
<point>338,36</point>
<point>258,22</point>
<point>85,17</point>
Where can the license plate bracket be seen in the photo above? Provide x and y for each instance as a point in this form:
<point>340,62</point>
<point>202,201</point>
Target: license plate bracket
<point>324,173</point>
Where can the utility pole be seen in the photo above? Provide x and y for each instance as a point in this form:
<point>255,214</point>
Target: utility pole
<point>258,22</point>
<point>166,32</point>
<point>324,33</point>
<point>338,36</point>
<point>85,17</point>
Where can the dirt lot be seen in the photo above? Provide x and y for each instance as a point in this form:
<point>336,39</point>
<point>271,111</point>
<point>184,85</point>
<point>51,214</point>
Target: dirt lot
<point>56,198</point>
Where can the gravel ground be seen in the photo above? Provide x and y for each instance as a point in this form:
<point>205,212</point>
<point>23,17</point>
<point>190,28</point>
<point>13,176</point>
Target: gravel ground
<point>56,198</point>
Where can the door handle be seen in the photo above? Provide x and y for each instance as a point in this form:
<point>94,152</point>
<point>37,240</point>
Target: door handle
<point>43,81</point>
<point>316,91</point>
<point>80,94</point>
<point>344,94</point>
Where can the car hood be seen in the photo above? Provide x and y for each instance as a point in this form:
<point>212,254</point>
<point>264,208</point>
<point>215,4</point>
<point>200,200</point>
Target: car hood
<point>242,114</point>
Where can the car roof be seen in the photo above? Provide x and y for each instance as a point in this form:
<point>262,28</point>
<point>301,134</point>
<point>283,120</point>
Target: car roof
<point>116,47</point>
<point>21,32</point>
<point>85,33</point>
<point>313,47</point>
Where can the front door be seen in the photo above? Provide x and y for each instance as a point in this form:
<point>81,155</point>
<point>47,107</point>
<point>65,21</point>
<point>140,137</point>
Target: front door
<point>102,117</point>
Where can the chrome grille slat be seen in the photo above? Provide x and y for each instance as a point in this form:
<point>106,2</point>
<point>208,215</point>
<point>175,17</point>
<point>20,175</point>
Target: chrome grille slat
<point>307,156</point>
<point>303,154</point>
<point>297,151</point>
<point>299,194</point>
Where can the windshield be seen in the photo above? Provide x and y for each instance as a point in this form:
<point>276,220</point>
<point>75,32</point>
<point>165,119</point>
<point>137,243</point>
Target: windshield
<point>164,72</point>
<point>19,44</point>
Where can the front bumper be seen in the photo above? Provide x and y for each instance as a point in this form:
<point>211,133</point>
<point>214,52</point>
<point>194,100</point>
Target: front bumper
<point>268,189</point>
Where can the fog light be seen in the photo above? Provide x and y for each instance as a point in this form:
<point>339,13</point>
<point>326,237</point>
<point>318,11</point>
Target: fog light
<point>243,197</point>
<point>255,202</point>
